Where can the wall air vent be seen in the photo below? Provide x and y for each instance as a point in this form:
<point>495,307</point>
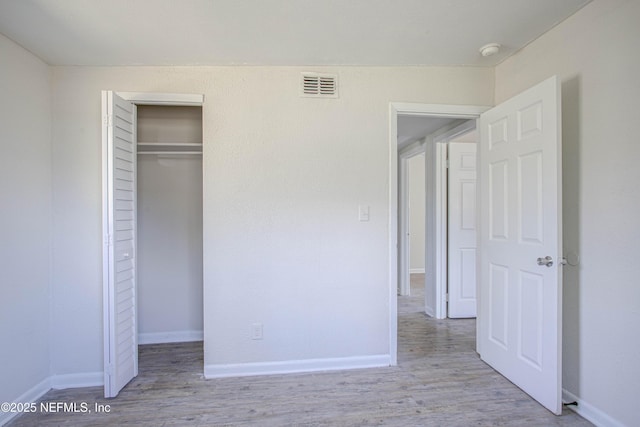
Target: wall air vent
<point>318,85</point>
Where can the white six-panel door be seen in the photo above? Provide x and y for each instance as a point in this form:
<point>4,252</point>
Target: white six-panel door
<point>119,254</point>
<point>462,229</point>
<point>519,322</point>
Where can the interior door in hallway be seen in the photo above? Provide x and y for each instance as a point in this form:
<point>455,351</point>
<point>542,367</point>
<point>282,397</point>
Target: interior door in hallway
<point>461,243</point>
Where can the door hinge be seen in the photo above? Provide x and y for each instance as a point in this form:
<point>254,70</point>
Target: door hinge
<point>109,369</point>
<point>446,163</point>
<point>446,297</point>
<point>108,240</point>
<point>107,120</point>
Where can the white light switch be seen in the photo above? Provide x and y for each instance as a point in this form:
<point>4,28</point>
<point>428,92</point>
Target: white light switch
<point>256,331</point>
<point>363,213</point>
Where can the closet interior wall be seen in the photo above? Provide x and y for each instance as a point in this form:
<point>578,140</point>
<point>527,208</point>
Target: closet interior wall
<point>169,224</point>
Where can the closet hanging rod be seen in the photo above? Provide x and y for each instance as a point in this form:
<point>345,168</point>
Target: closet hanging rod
<point>172,144</point>
<point>170,152</point>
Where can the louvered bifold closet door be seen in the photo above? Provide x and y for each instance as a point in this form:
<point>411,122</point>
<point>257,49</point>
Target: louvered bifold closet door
<point>119,149</point>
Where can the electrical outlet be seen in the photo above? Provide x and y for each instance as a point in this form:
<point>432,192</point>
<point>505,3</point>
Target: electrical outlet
<point>256,331</point>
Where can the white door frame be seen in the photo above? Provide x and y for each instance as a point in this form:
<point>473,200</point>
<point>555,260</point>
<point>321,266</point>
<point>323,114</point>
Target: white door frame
<point>411,109</point>
<point>404,243</point>
<point>152,98</point>
<point>144,98</point>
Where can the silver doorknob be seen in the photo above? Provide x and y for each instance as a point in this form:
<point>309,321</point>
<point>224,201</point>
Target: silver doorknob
<point>546,261</point>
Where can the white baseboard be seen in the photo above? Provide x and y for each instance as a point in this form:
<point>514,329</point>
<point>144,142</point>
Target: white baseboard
<point>58,382</point>
<point>429,312</point>
<point>416,270</point>
<point>31,395</point>
<point>590,412</point>
<point>293,366</point>
<point>84,379</point>
<point>169,337</point>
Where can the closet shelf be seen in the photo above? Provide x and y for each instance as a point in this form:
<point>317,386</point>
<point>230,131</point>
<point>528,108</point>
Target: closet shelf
<point>170,144</point>
<point>169,148</point>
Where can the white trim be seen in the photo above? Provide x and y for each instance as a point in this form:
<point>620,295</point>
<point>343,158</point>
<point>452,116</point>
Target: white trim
<point>393,234</point>
<point>396,108</point>
<point>429,312</point>
<point>439,110</point>
<point>441,217</point>
<point>57,382</point>
<point>31,395</point>
<point>295,366</point>
<point>404,284</point>
<point>84,379</point>
<point>415,149</point>
<point>589,412</point>
<point>461,129</point>
<point>152,98</point>
<point>416,270</point>
<point>105,236</point>
<point>170,337</point>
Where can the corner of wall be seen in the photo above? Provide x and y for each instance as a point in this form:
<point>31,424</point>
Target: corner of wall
<point>51,323</point>
<point>27,163</point>
<point>29,396</point>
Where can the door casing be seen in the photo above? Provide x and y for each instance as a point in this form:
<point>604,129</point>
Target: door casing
<point>404,285</point>
<point>142,98</point>
<point>424,110</point>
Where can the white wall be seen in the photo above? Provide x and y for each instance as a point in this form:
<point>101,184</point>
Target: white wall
<point>595,53</point>
<point>169,248</point>
<point>283,178</point>
<point>417,205</point>
<point>25,223</point>
<point>169,228</point>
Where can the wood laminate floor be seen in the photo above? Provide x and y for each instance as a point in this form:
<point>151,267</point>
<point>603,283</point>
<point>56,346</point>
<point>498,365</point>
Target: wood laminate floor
<point>439,381</point>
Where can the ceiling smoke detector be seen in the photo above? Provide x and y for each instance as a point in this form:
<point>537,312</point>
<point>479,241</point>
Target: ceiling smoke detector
<point>490,49</point>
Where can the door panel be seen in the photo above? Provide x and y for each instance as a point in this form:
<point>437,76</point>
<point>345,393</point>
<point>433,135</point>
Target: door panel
<point>462,229</point>
<point>530,203</point>
<point>498,309</point>
<point>530,320</point>
<point>519,322</point>
<point>498,201</point>
<point>119,258</point>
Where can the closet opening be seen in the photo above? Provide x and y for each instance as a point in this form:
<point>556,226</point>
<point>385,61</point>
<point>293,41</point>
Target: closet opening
<point>169,224</point>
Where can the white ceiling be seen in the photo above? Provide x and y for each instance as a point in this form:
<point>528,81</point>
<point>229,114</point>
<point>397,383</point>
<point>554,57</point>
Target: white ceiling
<point>277,32</point>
